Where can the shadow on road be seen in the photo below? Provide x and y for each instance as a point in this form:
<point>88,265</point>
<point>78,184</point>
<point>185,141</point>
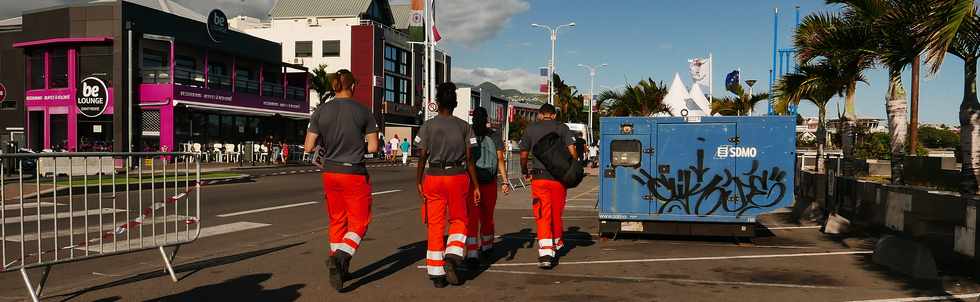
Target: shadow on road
<point>405,256</point>
<point>245,288</point>
<point>509,244</point>
<point>190,268</point>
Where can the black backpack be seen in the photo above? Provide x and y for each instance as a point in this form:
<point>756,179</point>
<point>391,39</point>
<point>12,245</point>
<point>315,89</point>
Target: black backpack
<point>551,151</point>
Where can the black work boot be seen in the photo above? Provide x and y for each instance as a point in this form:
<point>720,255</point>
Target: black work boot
<point>344,261</point>
<point>546,262</point>
<point>334,273</point>
<point>452,263</point>
<point>439,281</point>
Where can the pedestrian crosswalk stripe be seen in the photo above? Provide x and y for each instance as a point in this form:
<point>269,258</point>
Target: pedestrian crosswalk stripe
<point>30,218</point>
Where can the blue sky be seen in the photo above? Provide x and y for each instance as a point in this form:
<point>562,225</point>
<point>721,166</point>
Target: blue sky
<point>640,39</point>
<point>493,39</point>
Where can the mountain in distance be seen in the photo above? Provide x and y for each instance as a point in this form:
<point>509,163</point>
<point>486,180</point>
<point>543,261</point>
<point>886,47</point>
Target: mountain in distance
<point>514,94</point>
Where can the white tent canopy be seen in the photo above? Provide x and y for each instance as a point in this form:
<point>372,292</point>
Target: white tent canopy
<point>684,103</point>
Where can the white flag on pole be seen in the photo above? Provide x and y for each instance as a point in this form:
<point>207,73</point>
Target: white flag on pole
<point>700,71</point>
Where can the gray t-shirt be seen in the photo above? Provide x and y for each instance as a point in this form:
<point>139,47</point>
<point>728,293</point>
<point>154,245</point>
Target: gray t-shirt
<point>534,133</point>
<point>342,125</point>
<point>446,138</point>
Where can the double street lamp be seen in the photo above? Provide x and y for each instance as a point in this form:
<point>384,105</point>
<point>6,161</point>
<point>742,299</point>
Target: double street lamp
<point>592,72</point>
<point>551,64</point>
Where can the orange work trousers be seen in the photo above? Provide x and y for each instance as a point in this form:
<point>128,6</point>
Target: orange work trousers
<point>479,230</point>
<point>348,199</point>
<point>444,194</point>
<point>549,204</point>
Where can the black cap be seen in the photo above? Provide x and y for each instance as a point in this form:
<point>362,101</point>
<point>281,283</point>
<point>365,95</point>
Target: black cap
<point>547,108</point>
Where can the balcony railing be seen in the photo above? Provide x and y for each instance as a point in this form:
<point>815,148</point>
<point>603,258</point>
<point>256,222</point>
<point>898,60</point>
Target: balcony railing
<point>189,77</point>
<point>219,82</point>
<point>295,93</point>
<point>156,75</point>
<point>247,86</point>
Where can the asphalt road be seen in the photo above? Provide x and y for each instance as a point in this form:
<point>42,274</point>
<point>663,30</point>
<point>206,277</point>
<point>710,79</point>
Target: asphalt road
<point>265,241</point>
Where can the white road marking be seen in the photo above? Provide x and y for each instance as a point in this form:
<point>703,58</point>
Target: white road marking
<point>268,209</point>
<point>933,298</point>
<point>695,258</point>
<point>108,226</point>
<point>30,218</point>
<point>288,206</point>
<point>385,192</point>
<point>712,282</point>
<point>565,217</point>
<point>29,205</point>
<point>167,238</point>
<point>582,199</point>
<point>580,207</point>
<point>794,227</point>
<point>586,192</point>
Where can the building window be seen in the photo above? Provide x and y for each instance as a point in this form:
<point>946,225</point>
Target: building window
<point>396,89</point>
<point>36,74</point>
<point>95,61</point>
<point>59,68</point>
<point>155,62</point>
<point>246,78</point>
<point>304,49</point>
<point>396,60</point>
<point>330,49</point>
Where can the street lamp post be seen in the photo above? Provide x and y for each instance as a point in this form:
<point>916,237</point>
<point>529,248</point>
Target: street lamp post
<point>592,73</point>
<point>551,64</point>
<point>750,83</point>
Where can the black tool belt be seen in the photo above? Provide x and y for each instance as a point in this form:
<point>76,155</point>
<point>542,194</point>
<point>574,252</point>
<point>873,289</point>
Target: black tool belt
<point>343,164</point>
<point>449,165</point>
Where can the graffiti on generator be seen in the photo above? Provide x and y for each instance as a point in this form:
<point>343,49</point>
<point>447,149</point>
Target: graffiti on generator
<point>688,191</point>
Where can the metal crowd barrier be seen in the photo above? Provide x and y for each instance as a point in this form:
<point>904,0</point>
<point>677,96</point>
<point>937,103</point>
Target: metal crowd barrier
<point>514,177</point>
<point>65,207</point>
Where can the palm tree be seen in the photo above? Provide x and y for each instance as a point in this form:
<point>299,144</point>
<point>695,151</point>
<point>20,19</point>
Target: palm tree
<point>955,28</point>
<point>569,102</point>
<point>897,45</point>
<point>321,84</point>
<point>842,40</point>
<point>646,98</point>
<point>739,104</point>
<point>816,83</point>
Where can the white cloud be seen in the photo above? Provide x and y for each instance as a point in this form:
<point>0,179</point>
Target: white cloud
<point>472,22</point>
<point>519,79</point>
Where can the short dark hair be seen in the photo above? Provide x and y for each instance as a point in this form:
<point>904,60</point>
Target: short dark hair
<point>446,95</point>
<point>344,79</point>
<point>547,109</point>
<point>480,113</point>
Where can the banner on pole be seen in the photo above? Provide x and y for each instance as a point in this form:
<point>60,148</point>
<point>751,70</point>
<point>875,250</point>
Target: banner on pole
<point>700,71</point>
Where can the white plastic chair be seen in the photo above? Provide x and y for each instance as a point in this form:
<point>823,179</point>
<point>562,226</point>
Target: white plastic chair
<point>231,153</point>
<point>196,148</point>
<point>218,155</point>
<point>264,152</point>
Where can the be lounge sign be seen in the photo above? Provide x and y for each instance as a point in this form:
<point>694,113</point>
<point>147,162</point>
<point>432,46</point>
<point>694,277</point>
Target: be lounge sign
<point>93,97</point>
<point>217,25</point>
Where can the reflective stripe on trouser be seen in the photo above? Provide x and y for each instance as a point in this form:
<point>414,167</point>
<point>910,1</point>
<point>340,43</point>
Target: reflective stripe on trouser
<point>549,204</point>
<point>444,194</point>
<point>480,225</point>
<point>348,199</point>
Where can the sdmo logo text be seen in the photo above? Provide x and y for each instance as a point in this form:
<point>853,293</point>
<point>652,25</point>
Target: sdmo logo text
<point>726,151</point>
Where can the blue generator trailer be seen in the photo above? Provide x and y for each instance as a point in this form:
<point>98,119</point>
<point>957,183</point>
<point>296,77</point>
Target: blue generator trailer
<point>703,176</point>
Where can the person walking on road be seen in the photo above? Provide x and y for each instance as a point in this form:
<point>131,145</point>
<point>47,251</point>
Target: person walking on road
<point>405,147</point>
<point>488,156</point>
<point>393,146</point>
<point>336,134</point>
<point>547,192</point>
<point>445,186</point>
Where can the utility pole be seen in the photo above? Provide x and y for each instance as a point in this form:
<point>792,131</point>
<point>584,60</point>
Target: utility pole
<point>592,73</point>
<point>551,64</point>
